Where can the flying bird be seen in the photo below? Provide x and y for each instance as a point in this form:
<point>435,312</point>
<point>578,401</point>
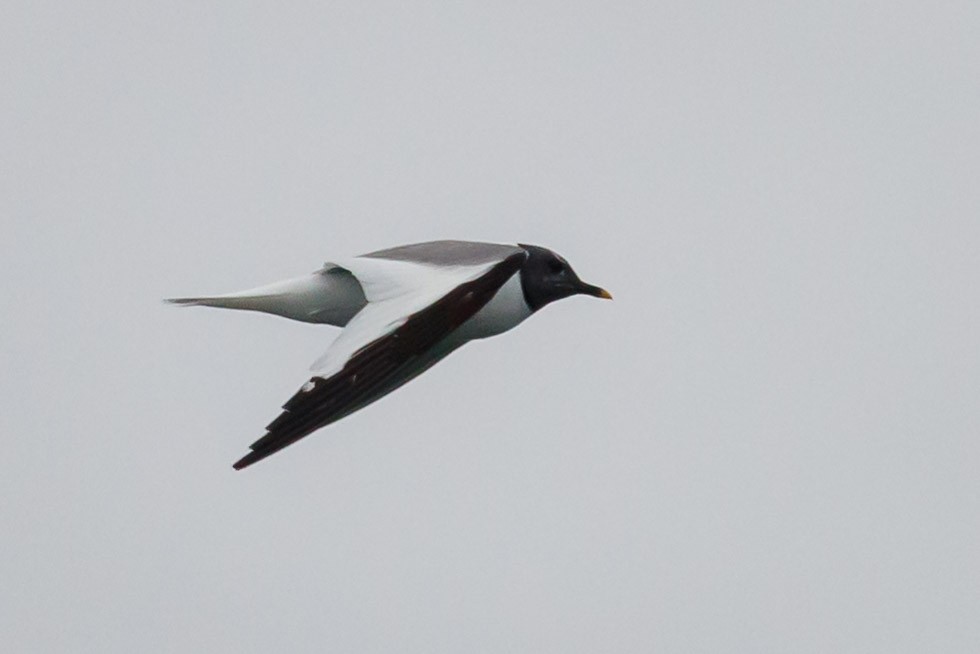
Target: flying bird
<point>402,310</point>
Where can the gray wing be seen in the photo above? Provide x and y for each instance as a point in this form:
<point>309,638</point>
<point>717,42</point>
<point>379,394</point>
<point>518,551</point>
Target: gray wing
<point>447,253</point>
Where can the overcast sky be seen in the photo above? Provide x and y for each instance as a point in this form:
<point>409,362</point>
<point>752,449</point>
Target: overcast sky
<point>767,443</point>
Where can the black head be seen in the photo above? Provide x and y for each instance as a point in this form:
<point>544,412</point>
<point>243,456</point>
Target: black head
<point>546,277</point>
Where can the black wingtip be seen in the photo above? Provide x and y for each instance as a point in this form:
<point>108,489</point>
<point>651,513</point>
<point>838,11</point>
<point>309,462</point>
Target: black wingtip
<point>248,459</point>
<point>261,451</point>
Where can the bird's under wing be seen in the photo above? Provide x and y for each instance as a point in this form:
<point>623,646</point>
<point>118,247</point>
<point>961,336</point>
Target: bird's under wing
<point>331,295</point>
<point>412,308</point>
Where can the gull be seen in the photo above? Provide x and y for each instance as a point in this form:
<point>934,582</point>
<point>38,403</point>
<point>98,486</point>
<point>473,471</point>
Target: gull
<point>402,310</point>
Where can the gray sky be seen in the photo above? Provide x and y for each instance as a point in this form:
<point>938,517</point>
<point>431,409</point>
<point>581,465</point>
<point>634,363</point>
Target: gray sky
<point>767,443</point>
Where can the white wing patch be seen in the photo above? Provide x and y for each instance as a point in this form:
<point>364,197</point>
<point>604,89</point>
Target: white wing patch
<point>395,290</point>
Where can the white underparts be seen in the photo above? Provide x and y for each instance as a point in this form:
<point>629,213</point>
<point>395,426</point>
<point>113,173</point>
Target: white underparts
<point>504,311</point>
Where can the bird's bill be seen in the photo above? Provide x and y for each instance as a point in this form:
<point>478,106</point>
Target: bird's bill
<point>595,291</point>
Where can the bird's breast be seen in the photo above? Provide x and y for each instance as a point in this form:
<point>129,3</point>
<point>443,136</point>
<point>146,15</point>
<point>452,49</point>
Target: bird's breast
<point>505,310</point>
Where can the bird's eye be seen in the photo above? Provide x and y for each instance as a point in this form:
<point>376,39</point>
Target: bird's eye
<point>556,266</point>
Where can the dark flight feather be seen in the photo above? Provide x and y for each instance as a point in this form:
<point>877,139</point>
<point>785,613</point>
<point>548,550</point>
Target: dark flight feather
<point>382,365</point>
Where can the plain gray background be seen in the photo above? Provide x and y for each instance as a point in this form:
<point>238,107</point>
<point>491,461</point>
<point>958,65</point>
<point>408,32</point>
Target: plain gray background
<point>767,443</point>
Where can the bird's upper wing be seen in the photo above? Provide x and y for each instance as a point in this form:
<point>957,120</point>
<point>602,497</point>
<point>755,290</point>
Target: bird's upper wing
<point>412,307</point>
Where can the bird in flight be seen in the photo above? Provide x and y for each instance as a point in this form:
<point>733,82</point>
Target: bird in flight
<point>402,310</point>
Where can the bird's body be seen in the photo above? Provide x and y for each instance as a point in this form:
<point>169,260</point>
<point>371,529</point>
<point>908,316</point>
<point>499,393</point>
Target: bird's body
<point>402,309</point>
